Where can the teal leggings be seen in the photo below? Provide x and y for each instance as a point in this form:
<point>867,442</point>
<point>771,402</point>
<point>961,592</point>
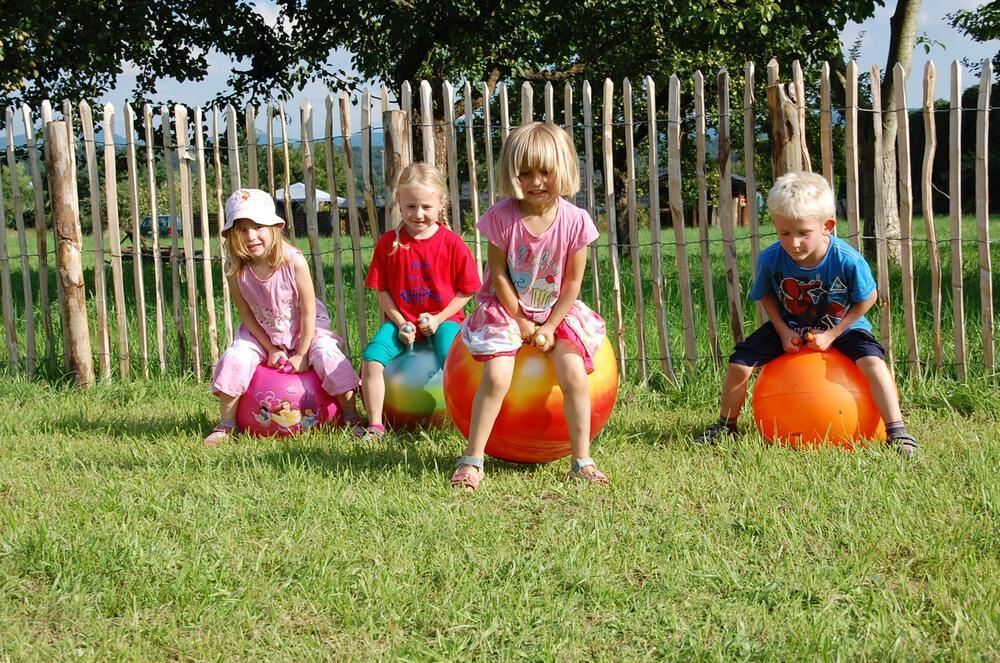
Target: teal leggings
<point>386,346</point>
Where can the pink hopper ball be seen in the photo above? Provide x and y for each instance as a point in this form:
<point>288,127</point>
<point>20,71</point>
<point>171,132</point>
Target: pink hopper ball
<point>280,403</point>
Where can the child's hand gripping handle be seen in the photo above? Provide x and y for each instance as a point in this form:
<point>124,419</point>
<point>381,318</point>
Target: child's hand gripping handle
<point>408,328</point>
<point>808,337</point>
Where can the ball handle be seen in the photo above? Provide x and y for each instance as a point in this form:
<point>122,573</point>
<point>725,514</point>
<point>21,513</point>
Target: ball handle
<point>408,328</point>
<point>807,337</point>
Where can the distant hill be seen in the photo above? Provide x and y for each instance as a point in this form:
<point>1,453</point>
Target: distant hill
<point>378,137</point>
<point>19,141</point>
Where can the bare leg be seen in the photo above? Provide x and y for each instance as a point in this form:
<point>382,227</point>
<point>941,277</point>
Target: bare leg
<point>347,405</point>
<point>734,390</point>
<point>734,393</point>
<point>373,390</point>
<point>882,387</point>
<point>227,406</point>
<point>572,377</point>
<point>497,374</point>
<point>227,412</point>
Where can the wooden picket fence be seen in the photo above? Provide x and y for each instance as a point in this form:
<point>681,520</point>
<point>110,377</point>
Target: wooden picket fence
<point>188,337</point>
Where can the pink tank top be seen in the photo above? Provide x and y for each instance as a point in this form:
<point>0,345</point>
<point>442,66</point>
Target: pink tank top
<point>274,302</point>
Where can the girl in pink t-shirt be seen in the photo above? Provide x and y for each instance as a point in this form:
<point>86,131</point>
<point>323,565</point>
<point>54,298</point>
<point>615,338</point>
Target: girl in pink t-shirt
<point>283,322</point>
<point>536,261</point>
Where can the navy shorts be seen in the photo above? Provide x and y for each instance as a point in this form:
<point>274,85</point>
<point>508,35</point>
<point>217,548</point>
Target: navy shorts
<point>764,345</point>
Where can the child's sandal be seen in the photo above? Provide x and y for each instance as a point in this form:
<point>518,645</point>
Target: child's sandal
<point>218,435</point>
<point>465,479</point>
<point>370,433</point>
<point>595,478</point>
<point>904,444</point>
<point>352,422</point>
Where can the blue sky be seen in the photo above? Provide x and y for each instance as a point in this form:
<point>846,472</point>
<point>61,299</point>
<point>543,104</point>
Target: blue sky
<point>953,45</point>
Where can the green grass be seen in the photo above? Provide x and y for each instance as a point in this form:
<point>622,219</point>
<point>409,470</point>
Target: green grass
<point>123,538</point>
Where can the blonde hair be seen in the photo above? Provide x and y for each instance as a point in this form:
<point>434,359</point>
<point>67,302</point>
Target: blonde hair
<point>538,146</point>
<point>426,176</point>
<point>237,254</point>
<point>802,195</point>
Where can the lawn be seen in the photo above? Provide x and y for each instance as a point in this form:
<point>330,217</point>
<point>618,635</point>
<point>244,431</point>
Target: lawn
<point>122,537</point>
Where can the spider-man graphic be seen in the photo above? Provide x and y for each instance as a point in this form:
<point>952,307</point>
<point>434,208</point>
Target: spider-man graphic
<point>813,304</point>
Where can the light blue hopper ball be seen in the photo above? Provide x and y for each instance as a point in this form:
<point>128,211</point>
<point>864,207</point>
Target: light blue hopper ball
<point>414,389</point>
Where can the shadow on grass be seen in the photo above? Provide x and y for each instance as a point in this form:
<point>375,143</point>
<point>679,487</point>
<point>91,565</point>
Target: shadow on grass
<point>314,454</point>
<point>124,425</point>
<point>328,451</point>
<point>410,453</point>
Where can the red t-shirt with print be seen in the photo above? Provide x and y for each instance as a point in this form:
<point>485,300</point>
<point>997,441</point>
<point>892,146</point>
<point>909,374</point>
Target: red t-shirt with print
<point>423,275</point>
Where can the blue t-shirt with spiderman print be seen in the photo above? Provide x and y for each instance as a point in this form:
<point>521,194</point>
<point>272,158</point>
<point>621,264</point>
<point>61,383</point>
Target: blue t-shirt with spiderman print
<point>815,297</point>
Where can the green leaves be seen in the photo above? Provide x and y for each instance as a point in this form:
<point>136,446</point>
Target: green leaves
<point>75,48</point>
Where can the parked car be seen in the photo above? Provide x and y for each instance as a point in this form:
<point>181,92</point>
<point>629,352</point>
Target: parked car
<point>163,221</point>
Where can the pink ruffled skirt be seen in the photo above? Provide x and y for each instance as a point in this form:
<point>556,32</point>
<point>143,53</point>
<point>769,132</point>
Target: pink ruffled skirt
<point>491,332</point>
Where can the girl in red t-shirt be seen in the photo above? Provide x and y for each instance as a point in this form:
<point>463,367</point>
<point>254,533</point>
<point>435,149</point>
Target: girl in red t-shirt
<point>424,275</point>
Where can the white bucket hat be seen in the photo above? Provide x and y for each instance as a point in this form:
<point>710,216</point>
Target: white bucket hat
<point>253,204</point>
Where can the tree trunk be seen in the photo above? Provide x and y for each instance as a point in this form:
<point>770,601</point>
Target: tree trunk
<point>902,40</point>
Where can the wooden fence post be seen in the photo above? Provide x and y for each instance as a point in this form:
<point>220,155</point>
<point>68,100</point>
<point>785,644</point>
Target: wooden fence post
<point>983,215</point>
<point>955,216</point>
<point>338,247</point>
<point>397,157</point>
<point>470,147</point>
<point>607,149</point>
<point>37,191</point>
<point>703,219</point>
<point>788,143</point>
<point>66,210</point>
<point>733,289</point>
<point>927,205</point>
<point>5,286</point>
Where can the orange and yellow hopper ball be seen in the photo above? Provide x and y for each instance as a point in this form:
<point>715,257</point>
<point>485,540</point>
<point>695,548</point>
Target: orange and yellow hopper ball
<point>531,427</point>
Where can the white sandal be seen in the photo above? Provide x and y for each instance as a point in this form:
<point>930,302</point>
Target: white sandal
<point>218,435</point>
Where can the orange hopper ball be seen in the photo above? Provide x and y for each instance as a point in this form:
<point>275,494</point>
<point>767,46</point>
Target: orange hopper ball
<point>808,397</point>
<point>531,427</point>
